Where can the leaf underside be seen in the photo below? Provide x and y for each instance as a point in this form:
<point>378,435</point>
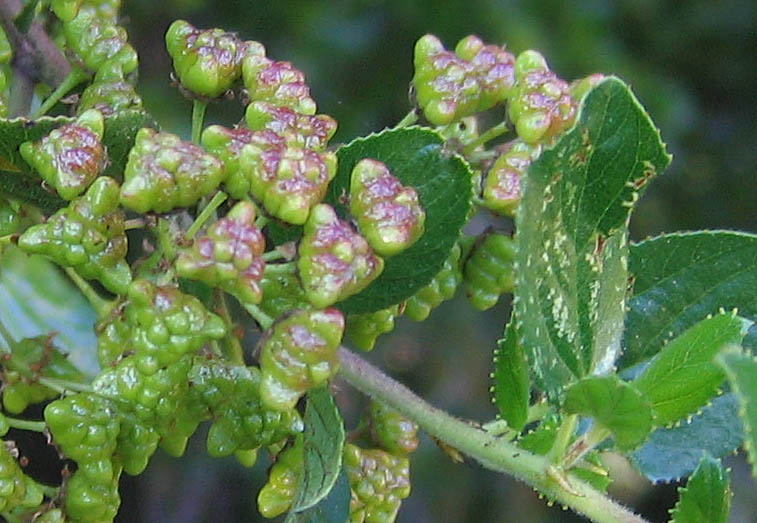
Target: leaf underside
<point>673,453</point>
<point>443,182</point>
<point>572,230</point>
<point>682,278</point>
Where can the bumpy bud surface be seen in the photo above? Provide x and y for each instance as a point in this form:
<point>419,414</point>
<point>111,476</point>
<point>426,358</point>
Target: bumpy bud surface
<point>109,93</point>
<point>283,292</point>
<point>207,62</point>
<point>87,501</point>
<point>302,130</point>
<point>335,262</point>
<point>540,105</point>
<point>299,353</point>
<point>364,329</point>
<point>241,422</point>
<point>502,185</point>
<point>88,235</point>
<point>442,287</point>
<point>167,324</point>
<point>98,41</point>
<point>229,255</point>
<point>288,181</point>
<point>66,10</point>
<point>379,481</point>
<point>12,481</point>
<point>278,83</point>
<point>392,431</point>
<point>451,86</point>
<point>164,172</point>
<point>226,144</point>
<point>135,444</point>
<point>388,214</point>
<point>278,493</point>
<point>489,270</point>
<point>71,156</point>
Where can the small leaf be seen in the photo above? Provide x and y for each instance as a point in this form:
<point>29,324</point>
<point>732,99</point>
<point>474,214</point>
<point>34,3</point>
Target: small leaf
<point>323,441</point>
<point>682,278</point>
<point>615,405</point>
<point>511,383</point>
<point>741,370</point>
<point>591,470</point>
<point>571,263</point>
<point>334,508</point>
<point>672,453</point>
<point>683,376</point>
<point>40,300</point>
<point>417,158</point>
<point>542,438</point>
<point>707,495</point>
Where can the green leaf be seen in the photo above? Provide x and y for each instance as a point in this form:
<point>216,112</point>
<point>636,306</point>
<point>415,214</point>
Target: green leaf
<point>334,508</point>
<point>542,438</point>
<point>120,130</point>
<point>615,405</point>
<point>572,277</point>
<point>36,299</point>
<point>672,453</point>
<point>18,180</point>
<point>741,370</point>
<point>511,384</point>
<point>683,376</point>
<point>417,158</point>
<point>707,495</point>
<point>591,470</point>
<point>682,278</point>
<point>323,441</point>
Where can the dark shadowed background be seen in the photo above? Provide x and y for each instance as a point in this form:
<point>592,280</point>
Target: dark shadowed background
<point>692,64</point>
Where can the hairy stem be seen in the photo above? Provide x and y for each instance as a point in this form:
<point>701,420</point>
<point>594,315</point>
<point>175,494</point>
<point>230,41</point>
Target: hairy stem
<point>280,268</point>
<point>492,452</point>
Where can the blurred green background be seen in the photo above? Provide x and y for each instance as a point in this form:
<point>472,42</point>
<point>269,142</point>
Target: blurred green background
<point>690,63</point>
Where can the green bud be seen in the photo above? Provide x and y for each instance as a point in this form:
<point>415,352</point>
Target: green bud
<point>66,10</point>
<point>335,262</point>
<point>502,185</point>
<point>364,329</point>
<point>489,270</point>
<point>206,62</point>
<point>229,255</point>
<point>12,481</point>
<point>297,354</point>
<point>99,41</point>
<point>278,493</point>
<point>164,172</point>
<point>442,287</point>
<point>388,214</point>
<point>9,218</point>
<point>302,130</point>
<point>392,431</point>
<point>109,93</point>
<point>288,181</point>
<point>71,156</point>
<point>278,83</point>
<point>88,235</point>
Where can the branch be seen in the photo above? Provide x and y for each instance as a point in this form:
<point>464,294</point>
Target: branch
<point>489,450</point>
